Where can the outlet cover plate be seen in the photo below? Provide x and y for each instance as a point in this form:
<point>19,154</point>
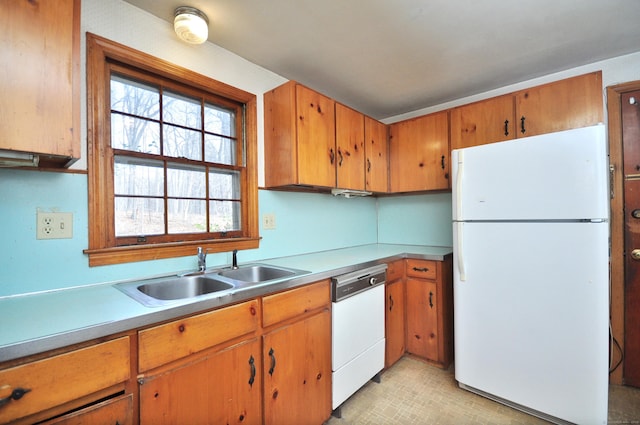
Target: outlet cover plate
<point>54,225</point>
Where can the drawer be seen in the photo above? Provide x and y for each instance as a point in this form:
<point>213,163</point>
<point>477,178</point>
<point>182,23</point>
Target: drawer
<point>395,270</point>
<point>171,341</point>
<point>423,269</point>
<point>116,411</point>
<point>63,378</point>
<point>292,303</point>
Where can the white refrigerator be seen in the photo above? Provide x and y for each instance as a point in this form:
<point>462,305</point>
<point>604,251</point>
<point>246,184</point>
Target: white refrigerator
<point>531,273</point>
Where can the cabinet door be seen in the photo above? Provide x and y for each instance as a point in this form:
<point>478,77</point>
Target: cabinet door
<point>561,105</point>
<point>297,372</point>
<point>492,120</point>
<point>350,148</point>
<point>394,322</point>
<point>419,153</point>
<point>376,152</point>
<point>422,319</point>
<point>222,388</point>
<point>316,138</point>
<point>40,78</point>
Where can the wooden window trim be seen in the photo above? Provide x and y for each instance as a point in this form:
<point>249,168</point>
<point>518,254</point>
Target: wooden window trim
<point>102,249</point>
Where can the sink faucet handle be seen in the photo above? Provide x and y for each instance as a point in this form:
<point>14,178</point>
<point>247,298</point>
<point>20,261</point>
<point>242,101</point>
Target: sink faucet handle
<point>234,263</point>
<point>202,259</point>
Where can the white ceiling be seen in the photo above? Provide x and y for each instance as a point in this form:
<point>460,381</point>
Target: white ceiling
<point>388,57</point>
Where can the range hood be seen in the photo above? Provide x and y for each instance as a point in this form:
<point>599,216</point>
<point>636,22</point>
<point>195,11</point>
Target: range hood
<point>17,159</point>
<point>348,193</point>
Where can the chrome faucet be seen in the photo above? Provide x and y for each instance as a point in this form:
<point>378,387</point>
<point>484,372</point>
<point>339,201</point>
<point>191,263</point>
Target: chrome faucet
<point>202,259</point>
<point>234,264</point>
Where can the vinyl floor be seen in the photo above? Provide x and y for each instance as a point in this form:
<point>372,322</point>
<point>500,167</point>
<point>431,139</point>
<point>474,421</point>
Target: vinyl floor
<point>414,392</point>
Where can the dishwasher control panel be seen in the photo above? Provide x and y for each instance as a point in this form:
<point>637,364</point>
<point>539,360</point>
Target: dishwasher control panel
<point>349,284</point>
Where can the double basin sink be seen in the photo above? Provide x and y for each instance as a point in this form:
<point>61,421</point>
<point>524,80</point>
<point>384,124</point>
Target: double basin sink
<point>162,291</point>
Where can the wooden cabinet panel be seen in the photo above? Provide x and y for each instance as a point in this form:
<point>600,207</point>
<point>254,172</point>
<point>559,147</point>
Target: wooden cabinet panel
<point>422,319</point>
<point>561,105</point>
<point>171,341</point>
<point>376,152</point>
<point>394,321</point>
<point>40,79</point>
<point>350,171</point>
<point>297,372</point>
<point>419,153</point>
<point>295,302</point>
<point>395,270</point>
<point>316,138</point>
<point>491,120</point>
<point>65,377</point>
<point>118,411</point>
<point>221,388</point>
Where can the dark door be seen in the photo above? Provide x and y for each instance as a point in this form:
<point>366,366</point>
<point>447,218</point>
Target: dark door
<point>631,148</point>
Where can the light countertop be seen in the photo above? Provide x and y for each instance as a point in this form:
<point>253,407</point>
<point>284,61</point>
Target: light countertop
<point>40,322</point>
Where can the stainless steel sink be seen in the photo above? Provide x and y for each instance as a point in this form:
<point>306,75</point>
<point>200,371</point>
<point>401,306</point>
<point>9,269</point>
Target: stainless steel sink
<point>158,292</point>
<point>184,287</point>
<point>259,273</point>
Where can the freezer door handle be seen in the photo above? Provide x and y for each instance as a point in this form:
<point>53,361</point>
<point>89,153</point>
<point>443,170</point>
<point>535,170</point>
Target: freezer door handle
<point>460,251</point>
<point>459,176</point>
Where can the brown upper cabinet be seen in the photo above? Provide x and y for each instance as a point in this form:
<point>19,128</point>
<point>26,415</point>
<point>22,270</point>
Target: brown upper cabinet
<point>560,105</point>
<point>40,80</point>
<point>419,153</point>
<point>377,155</point>
<point>311,141</point>
<point>350,148</point>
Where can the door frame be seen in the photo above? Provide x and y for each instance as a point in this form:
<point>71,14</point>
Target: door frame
<point>614,120</point>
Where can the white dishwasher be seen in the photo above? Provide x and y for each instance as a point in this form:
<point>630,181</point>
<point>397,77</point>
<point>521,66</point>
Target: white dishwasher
<point>358,342</point>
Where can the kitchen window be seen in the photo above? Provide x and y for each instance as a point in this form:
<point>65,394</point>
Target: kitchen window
<point>171,159</point>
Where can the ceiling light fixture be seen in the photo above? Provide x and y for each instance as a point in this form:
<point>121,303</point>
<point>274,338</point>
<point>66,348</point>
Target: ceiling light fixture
<point>191,25</point>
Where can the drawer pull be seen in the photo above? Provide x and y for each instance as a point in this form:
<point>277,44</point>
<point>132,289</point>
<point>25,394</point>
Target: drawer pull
<point>16,394</point>
<point>273,361</point>
<point>420,269</point>
<point>252,378</point>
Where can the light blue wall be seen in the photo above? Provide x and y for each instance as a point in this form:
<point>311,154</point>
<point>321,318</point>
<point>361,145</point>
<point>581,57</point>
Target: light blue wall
<point>415,220</point>
<point>305,222</point>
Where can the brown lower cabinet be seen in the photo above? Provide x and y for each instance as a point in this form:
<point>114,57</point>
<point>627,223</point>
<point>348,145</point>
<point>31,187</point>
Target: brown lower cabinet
<point>429,310</point>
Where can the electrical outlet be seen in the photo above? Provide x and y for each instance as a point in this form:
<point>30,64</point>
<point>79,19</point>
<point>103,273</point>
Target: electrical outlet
<point>269,221</point>
<point>54,225</point>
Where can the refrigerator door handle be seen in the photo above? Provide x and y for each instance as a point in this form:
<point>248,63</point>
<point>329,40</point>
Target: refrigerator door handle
<point>459,176</point>
<point>462,275</point>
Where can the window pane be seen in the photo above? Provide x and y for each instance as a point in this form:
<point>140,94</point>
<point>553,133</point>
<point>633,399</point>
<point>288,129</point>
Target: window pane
<point>133,176</point>
<point>219,120</point>
<point>219,150</point>
<point>182,143</point>
<point>224,216</point>
<point>138,216</point>
<point>187,216</point>
<point>185,181</point>
<point>135,134</point>
<point>134,98</point>
<point>224,184</point>
<point>182,110</point>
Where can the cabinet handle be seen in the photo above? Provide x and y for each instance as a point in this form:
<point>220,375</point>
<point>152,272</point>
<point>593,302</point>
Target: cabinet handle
<point>15,395</point>
<point>420,269</point>
<point>522,129</point>
<point>442,162</point>
<point>340,154</point>
<point>390,303</point>
<point>430,299</point>
<point>253,371</point>
<point>273,361</point>
<point>368,165</point>
<point>332,156</point>
<point>506,127</point>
